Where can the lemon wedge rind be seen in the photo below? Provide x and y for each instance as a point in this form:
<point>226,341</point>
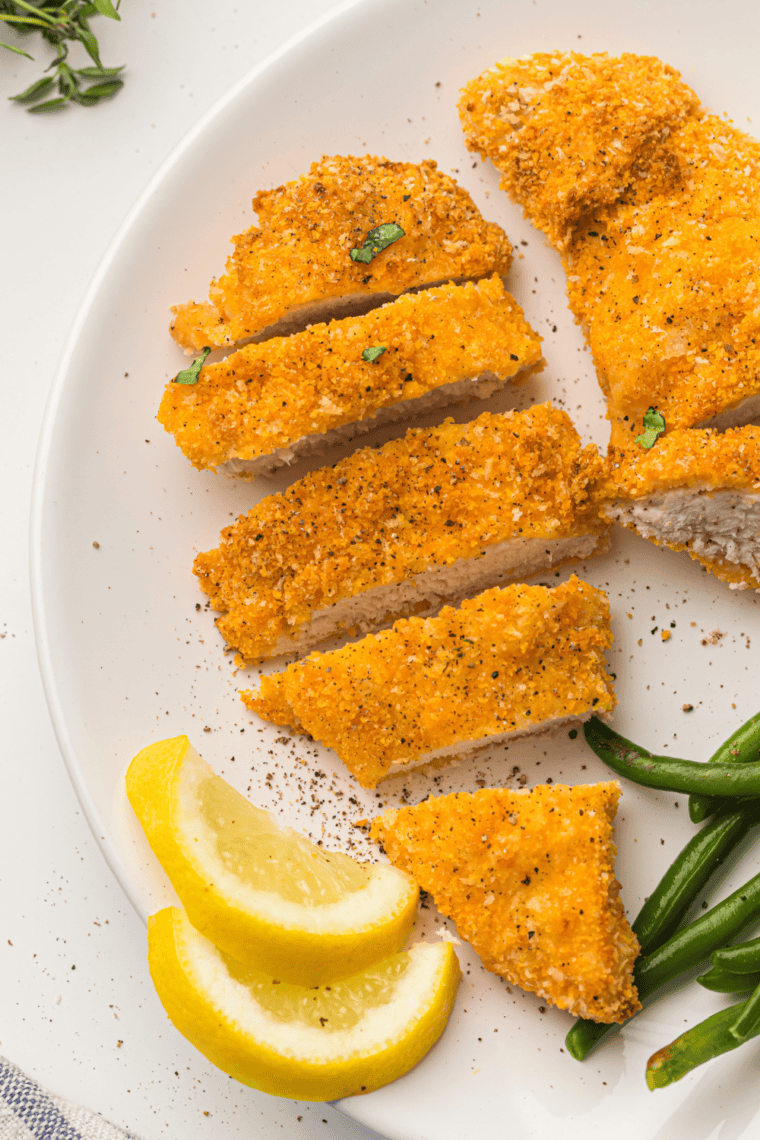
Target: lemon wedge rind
<point>284,937</point>
<point>220,1016</point>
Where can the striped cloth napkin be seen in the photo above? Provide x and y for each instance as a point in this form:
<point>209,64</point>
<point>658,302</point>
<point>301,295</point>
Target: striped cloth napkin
<point>27,1112</point>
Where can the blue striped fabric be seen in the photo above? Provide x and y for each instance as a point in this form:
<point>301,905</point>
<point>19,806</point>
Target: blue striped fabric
<point>27,1112</point>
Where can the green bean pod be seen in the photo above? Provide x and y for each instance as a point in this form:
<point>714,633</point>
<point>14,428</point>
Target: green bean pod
<point>666,772</point>
<point>701,1043</point>
<point>747,1022</point>
<point>724,982</point>
<point>744,958</point>
<point>684,879</point>
<point>686,949</point>
<point>702,806</point>
<point>690,945</point>
<point>742,747</point>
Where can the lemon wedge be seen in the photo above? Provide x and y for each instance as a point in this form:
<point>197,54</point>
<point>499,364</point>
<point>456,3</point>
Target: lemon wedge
<point>334,1040</point>
<point>261,892</point>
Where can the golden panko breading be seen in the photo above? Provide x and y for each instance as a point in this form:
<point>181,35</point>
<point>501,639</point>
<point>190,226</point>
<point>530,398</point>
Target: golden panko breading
<point>697,491</point>
<point>298,260</point>
<point>510,661</point>
<point>267,403</point>
<point>443,512</point>
<point>656,209</point>
<point>528,877</point>
<point>567,131</point>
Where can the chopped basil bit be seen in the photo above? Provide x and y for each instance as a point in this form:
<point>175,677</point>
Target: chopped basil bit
<point>190,375</point>
<point>376,241</point>
<point>654,425</point>
<point>374,353</point>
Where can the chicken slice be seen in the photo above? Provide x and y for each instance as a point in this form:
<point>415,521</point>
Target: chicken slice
<point>508,662</point>
<point>528,877</point>
<point>269,404</point>
<point>697,491</point>
<point>426,519</point>
<point>300,263</point>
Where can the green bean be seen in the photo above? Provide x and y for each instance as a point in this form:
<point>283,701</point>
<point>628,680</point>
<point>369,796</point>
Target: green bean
<point>690,945</point>
<point>684,879</point>
<point>666,772</point>
<point>724,982</point>
<point>702,806</point>
<point>744,958</point>
<point>701,1043</point>
<point>742,747</point>
<point>686,949</point>
<point>747,1022</point>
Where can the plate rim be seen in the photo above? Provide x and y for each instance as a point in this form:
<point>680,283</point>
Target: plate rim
<point>41,607</point>
<point>53,401</point>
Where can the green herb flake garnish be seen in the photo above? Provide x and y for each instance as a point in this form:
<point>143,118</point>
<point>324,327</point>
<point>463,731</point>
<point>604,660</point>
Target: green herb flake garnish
<point>376,241</point>
<point>654,425</point>
<point>374,353</point>
<point>190,375</point>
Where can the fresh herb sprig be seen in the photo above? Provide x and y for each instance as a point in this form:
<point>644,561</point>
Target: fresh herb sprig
<point>61,24</point>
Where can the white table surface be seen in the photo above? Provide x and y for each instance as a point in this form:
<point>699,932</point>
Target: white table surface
<point>77,1008</point>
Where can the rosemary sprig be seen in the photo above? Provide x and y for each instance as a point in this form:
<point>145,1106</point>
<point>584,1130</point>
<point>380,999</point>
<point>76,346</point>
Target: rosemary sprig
<point>61,24</point>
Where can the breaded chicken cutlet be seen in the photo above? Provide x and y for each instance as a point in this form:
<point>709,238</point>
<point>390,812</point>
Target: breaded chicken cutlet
<point>697,491</point>
<point>352,233</point>
<point>427,519</point>
<point>268,404</point>
<point>528,877</point>
<point>509,662</point>
<point>654,205</point>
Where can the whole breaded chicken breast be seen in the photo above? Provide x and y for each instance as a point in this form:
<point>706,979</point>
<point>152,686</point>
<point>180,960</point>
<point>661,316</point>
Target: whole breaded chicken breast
<point>528,877</point>
<point>654,204</point>
<point>297,265</point>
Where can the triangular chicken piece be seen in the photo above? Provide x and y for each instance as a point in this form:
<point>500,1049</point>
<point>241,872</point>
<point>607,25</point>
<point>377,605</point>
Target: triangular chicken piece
<point>528,878</point>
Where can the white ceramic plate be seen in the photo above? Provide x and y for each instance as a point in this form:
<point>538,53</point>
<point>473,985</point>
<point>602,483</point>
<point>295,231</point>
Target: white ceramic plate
<point>129,657</point>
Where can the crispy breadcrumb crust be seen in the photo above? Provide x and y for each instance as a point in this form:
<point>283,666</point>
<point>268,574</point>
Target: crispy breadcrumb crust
<point>567,130</point>
<point>269,396</point>
<point>665,284</point>
<point>528,877</point>
<point>703,461</point>
<point>685,458</point>
<point>301,250</point>
<point>656,210</point>
<point>385,515</point>
<point>504,662</point>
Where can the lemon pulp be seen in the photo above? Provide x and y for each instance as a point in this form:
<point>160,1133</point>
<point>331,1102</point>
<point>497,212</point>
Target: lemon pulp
<point>332,1040</point>
<point>260,891</point>
<point>334,1006</point>
<point>255,849</point>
